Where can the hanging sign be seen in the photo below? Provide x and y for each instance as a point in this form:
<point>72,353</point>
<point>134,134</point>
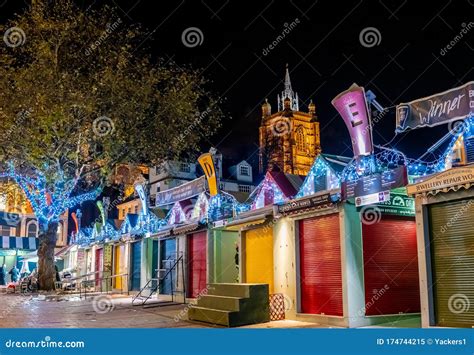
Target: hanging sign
<point>142,195</point>
<point>375,183</point>
<point>352,106</point>
<point>399,205</point>
<point>207,164</point>
<point>451,105</point>
<point>446,179</point>
<point>181,192</point>
<point>377,197</point>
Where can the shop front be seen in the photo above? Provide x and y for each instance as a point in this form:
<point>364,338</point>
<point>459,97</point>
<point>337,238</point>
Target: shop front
<point>119,266</point>
<point>255,251</point>
<point>445,232</point>
<point>337,266</point>
<point>224,254</point>
<point>308,258</point>
<point>135,265</point>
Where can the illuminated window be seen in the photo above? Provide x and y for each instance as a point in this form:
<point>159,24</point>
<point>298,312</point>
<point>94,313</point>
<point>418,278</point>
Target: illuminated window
<point>244,170</point>
<point>300,143</point>
<point>184,167</point>
<point>244,188</point>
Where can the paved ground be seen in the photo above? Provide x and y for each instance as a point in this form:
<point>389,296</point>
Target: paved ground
<point>17,311</point>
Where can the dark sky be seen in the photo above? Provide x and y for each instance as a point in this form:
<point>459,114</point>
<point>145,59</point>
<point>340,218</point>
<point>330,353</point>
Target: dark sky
<point>324,55</point>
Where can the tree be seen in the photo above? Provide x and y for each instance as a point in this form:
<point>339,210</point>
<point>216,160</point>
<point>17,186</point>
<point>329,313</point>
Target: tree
<point>80,95</point>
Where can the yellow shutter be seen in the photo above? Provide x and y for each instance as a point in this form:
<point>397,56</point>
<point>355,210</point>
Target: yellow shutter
<point>259,256</point>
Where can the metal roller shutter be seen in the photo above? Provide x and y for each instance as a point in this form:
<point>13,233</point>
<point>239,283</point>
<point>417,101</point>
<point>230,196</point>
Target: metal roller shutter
<point>452,258</point>
<point>136,265</point>
<point>196,263</point>
<point>391,266</point>
<point>320,265</point>
<point>168,257</point>
<point>259,256</point>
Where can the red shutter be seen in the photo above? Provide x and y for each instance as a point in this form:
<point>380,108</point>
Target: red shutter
<point>320,265</point>
<point>391,266</point>
<point>196,263</point>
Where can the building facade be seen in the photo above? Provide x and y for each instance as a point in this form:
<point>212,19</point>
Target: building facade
<point>289,139</point>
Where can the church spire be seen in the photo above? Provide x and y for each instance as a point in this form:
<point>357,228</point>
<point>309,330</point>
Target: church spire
<point>288,93</point>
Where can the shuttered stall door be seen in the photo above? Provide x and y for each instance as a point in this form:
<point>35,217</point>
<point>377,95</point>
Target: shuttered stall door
<point>136,265</point>
<point>452,259</point>
<point>259,256</point>
<point>320,266</point>
<point>196,263</point>
<point>117,267</point>
<point>390,266</point>
<point>168,257</point>
<point>98,265</point>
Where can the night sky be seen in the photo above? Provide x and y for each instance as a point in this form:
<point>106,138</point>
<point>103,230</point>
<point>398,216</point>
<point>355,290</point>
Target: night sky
<point>324,55</point>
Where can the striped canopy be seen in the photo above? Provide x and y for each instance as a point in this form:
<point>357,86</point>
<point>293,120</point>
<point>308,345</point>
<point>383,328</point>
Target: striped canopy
<point>26,243</point>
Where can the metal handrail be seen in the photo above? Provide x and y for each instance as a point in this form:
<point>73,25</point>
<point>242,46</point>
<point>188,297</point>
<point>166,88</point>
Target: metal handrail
<point>155,288</point>
<point>108,280</point>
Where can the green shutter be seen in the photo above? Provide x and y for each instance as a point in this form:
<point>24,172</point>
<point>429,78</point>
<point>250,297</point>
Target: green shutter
<point>452,256</point>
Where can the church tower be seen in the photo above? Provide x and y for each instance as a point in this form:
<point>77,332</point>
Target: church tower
<point>289,139</point>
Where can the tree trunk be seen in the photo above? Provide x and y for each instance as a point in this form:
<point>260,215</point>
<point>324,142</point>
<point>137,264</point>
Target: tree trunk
<point>46,270</point>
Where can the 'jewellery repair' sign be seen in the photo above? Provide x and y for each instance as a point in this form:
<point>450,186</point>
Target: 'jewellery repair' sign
<point>449,178</point>
<point>451,105</point>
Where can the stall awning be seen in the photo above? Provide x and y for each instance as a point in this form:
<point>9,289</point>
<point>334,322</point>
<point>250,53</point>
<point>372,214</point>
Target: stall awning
<point>25,243</point>
<point>162,233</point>
<point>185,228</point>
<point>246,222</point>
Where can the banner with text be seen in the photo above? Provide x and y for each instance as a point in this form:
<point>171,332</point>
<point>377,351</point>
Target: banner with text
<point>451,105</point>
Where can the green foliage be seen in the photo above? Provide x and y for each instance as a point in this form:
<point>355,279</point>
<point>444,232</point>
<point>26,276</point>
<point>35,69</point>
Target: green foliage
<point>75,67</point>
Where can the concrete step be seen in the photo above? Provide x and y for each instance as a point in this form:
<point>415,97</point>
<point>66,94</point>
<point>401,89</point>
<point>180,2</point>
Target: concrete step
<point>225,303</point>
<point>210,315</point>
<point>236,290</point>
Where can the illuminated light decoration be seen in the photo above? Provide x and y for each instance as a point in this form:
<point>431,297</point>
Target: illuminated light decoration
<point>84,236</point>
<point>221,206</point>
<point>269,192</point>
<point>201,208</point>
<point>48,204</point>
<point>178,212</point>
<point>319,169</point>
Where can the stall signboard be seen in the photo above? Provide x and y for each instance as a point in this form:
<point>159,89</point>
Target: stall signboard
<point>448,106</point>
<point>181,192</point>
<point>398,204</point>
<point>446,179</point>
<point>370,199</point>
<point>375,183</point>
<point>318,201</point>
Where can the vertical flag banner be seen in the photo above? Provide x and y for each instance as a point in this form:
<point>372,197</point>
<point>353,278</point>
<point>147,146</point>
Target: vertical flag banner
<point>140,189</point>
<point>207,164</point>
<point>352,106</point>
